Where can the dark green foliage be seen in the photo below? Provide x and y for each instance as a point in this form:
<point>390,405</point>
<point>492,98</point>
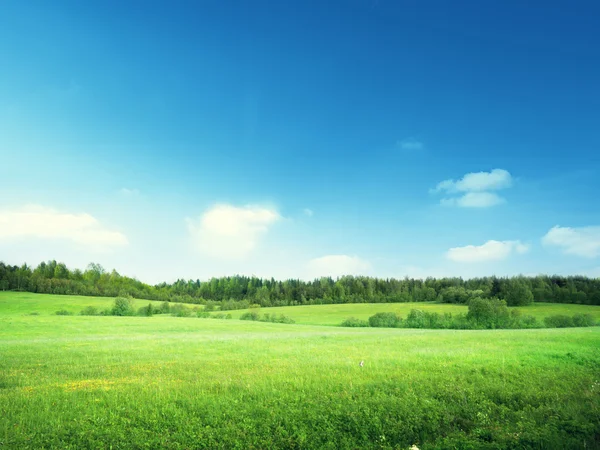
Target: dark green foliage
<point>421,319</point>
<point>489,313</point>
<point>123,307</point>
<point>63,312</point>
<point>583,320</point>
<point>253,315</point>
<point>89,311</point>
<point>179,310</point>
<point>147,311</point>
<point>354,322</point>
<point>203,314</point>
<point>165,308</point>
<point>558,321</point>
<point>385,319</point>
<point>218,316</point>
<point>250,315</point>
<point>237,292</point>
<point>517,293</point>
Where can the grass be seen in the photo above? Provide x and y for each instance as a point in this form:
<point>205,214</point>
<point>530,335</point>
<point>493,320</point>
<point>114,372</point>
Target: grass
<point>336,314</point>
<point>18,303</point>
<point>166,382</point>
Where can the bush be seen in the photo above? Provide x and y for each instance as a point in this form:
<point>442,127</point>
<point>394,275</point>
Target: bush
<point>228,316</point>
<point>89,311</point>
<point>528,321</point>
<point>203,314</point>
<point>123,306</point>
<point>218,316</point>
<point>250,315</point>
<point>558,321</point>
<point>354,322</point>
<point>385,319</point>
<point>489,313</point>
<point>583,320</point>
<point>63,312</point>
<point>165,308</point>
<point>147,311</point>
<point>179,310</point>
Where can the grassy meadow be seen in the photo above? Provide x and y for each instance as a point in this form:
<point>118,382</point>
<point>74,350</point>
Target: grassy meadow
<point>74,382</point>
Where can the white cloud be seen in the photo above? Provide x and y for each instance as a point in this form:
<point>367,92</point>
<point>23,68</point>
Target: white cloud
<point>337,266</point>
<point>583,241</point>
<point>474,200</point>
<point>475,186</point>
<point>490,251</point>
<point>129,192</point>
<point>477,182</point>
<point>308,212</point>
<point>411,144</point>
<point>229,232</point>
<point>34,221</point>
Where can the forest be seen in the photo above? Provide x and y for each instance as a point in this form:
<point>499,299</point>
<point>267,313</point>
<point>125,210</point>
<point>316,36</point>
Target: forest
<point>238,292</point>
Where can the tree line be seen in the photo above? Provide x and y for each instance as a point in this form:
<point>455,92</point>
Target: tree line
<point>238,292</point>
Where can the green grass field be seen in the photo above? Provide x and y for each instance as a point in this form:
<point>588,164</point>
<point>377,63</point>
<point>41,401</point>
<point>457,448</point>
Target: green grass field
<point>166,382</point>
<point>336,314</point>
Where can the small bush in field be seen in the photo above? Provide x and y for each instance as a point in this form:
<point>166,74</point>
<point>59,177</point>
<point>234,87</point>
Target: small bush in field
<point>558,321</point>
<point>123,306</point>
<point>147,311</point>
<point>63,312</point>
<point>179,310</point>
<point>165,308</point>
<point>203,314</point>
<point>218,316</point>
<point>250,316</point>
<point>228,316</point>
<point>354,322</point>
<point>583,320</point>
<point>385,319</point>
<point>89,311</point>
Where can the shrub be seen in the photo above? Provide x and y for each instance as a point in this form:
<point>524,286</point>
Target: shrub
<point>250,315</point>
<point>165,308</point>
<point>179,310</point>
<point>123,306</point>
<point>583,320</point>
<point>228,316</point>
<point>218,316</point>
<point>63,312</point>
<point>489,313</point>
<point>210,306</point>
<point>354,322</point>
<point>203,314</point>
<point>34,313</point>
<point>528,321</point>
<point>385,319</point>
<point>89,311</point>
<point>147,311</point>
<point>558,321</point>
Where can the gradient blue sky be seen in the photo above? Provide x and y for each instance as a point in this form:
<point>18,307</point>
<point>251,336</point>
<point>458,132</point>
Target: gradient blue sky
<point>301,138</point>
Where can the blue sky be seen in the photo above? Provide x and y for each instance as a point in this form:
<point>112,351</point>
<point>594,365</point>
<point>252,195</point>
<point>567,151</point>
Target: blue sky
<point>299,139</point>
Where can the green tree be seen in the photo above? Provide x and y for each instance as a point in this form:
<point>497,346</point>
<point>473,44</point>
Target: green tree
<point>517,293</point>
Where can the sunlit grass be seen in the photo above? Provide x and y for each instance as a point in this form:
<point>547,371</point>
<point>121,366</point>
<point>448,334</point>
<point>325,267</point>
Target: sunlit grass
<point>168,382</point>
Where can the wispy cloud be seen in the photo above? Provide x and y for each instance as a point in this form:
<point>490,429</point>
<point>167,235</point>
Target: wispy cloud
<point>474,200</point>
<point>337,266</point>
<point>475,188</point>
<point>583,241</point>
<point>34,221</point>
<point>490,251</point>
<point>129,192</point>
<point>229,232</point>
<point>308,212</point>
<point>411,144</point>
